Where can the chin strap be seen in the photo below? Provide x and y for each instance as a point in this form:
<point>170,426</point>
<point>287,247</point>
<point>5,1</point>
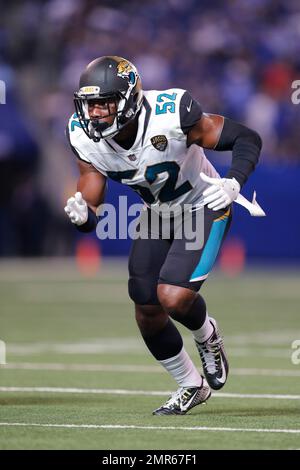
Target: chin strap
<point>93,130</point>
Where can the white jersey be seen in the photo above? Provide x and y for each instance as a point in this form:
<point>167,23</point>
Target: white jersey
<point>159,166</point>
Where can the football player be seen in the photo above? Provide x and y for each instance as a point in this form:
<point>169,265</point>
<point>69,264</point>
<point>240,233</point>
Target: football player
<point>153,141</point>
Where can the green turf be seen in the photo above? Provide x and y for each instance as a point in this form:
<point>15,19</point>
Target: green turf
<point>51,315</point>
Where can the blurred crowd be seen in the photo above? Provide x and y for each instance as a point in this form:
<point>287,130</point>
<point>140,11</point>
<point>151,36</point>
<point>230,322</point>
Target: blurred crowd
<point>237,58</point>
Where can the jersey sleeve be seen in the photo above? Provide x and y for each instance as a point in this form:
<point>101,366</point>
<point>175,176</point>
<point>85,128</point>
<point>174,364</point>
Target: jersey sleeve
<point>79,154</point>
<point>190,112</point>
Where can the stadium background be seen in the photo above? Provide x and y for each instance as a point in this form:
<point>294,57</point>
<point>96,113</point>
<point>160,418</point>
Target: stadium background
<point>237,58</point>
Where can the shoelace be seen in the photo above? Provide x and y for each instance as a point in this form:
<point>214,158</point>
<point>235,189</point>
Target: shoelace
<point>211,355</point>
<point>174,399</point>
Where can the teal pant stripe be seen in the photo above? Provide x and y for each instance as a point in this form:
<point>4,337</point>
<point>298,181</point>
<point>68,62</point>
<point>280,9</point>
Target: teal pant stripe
<point>211,249</point>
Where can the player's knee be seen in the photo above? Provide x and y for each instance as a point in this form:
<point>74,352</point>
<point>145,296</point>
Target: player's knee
<point>142,292</point>
<point>150,319</point>
<point>150,312</point>
<point>175,300</point>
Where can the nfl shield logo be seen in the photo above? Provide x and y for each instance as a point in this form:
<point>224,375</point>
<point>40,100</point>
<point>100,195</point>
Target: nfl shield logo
<point>132,157</point>
<point>160,142</point>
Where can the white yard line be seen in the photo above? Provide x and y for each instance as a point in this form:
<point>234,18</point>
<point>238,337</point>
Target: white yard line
<point>139,368</point>
<point>139,392</point>
<point>160,428</point>
<point>83,367</point>
<point>130,344</point>
<point>94,346</point>
<point>265,372</point>
<point>262,338</point>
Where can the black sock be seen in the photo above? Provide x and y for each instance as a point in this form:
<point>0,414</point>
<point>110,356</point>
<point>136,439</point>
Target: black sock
<point>195,317</point>
<point>166,343</point>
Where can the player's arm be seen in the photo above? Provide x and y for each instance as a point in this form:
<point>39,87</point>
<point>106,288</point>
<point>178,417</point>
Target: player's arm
<point>91,184</point>
<point>216,132</point>
<point>81,208</point>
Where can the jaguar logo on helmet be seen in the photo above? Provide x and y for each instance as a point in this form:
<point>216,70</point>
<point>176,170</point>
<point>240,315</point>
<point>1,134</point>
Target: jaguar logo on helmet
<point>126,70</point>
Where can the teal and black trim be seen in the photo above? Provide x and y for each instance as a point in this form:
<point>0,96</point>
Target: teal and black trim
<point>160,260</point>
<point>147,117</point>
<point>69,140</point>
<point>211,248</point>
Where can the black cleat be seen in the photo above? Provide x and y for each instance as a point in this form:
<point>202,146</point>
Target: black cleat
<point>213,357</point>
<point>184,399</point>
